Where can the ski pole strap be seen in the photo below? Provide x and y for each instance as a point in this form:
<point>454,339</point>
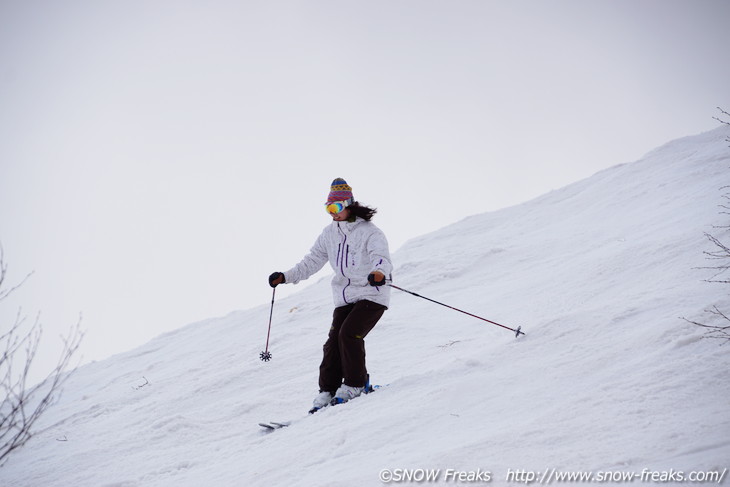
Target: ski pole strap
<point>517,331</point>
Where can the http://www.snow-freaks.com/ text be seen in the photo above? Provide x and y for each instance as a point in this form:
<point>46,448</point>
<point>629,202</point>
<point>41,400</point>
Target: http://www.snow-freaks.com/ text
<point>549,476</point>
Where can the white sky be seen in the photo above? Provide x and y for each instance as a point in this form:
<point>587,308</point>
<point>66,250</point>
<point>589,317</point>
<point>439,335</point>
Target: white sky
<point>159,159</point>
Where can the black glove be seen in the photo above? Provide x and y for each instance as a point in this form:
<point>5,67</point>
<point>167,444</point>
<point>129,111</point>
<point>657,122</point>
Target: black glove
<point>373,282</point>
<point>276,278</point>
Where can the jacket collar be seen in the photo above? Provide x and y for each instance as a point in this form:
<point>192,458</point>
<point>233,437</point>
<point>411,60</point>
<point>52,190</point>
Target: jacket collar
<point>348,224</point>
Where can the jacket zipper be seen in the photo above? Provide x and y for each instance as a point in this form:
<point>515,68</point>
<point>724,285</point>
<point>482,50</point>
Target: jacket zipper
<point>343,250</point>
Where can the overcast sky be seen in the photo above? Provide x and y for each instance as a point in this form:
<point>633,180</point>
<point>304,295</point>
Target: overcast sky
<point>158,159</point>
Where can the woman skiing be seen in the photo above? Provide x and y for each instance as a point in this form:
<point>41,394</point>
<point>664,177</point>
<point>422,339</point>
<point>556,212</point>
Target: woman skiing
<point>357,250</point>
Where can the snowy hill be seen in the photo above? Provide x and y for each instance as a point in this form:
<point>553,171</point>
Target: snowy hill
<point>608,378</point>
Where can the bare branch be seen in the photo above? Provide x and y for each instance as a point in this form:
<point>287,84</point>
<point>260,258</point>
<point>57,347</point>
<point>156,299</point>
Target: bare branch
<point>721,253</point>
<point>22,406</point>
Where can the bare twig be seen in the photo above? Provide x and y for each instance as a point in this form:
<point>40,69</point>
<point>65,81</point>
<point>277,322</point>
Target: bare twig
<point>145,383</point>
<point>722,253</point>
<point>715,331</point>
<point>3,271</point>
<point>724,113</point>
<point>723,121</point>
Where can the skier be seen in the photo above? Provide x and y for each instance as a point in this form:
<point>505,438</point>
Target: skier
<point>358,252</point>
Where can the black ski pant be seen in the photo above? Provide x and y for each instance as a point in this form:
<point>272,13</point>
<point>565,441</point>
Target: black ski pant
<point>344,350</point>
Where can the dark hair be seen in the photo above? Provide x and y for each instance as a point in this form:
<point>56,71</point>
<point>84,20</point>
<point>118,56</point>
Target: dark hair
<point>364,212</point>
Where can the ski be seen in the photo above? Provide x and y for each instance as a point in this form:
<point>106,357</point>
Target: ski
<point>273,425</point>
<point>314,410</point>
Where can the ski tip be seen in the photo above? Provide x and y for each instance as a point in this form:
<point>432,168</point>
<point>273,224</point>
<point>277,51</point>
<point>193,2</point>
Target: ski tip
<point>274,425</point>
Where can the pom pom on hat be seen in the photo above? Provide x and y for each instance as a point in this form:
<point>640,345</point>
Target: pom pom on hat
<point>340,191</point>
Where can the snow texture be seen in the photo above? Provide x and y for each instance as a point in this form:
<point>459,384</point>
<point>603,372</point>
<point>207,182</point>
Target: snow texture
<point>607,378</point>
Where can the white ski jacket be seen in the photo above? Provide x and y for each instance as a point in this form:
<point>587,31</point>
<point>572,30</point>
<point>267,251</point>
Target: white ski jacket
<point>354,250</point>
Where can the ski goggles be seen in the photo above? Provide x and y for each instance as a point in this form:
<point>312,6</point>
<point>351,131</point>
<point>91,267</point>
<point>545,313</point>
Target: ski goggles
<point>336,207</point>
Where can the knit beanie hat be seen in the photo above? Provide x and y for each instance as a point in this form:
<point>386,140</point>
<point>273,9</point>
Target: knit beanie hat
<point>340,191</point>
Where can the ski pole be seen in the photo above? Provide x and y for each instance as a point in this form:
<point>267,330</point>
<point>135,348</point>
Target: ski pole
<point>518,331</point>
<point>266,355</point>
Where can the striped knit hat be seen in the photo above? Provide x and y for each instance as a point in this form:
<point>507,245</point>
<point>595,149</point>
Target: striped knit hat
<point>340,191</point>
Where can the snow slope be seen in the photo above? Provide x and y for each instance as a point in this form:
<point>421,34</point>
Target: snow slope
<point>607,379</point>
